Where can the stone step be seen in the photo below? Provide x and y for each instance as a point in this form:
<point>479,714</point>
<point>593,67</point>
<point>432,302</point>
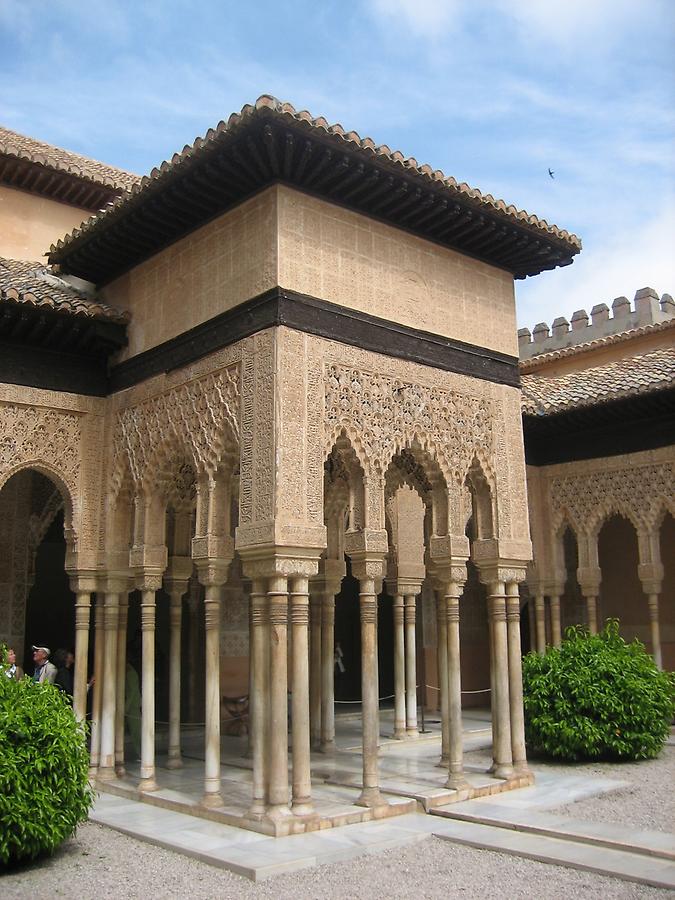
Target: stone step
<point>600,834</point>
<point>628,866</point>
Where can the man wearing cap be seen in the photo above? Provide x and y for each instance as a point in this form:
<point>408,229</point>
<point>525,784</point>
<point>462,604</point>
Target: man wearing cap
<point>44,670</point>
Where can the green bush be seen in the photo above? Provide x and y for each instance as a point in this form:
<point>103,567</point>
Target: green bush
<point>44,786</point>
<point>596,697</point>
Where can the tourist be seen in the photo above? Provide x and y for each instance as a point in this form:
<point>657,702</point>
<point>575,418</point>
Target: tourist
<point>44,670</point>
<point>64,660</point>
<point>12,670</point>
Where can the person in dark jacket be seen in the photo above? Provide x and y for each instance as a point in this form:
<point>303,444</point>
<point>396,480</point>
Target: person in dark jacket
<point>64,661</point>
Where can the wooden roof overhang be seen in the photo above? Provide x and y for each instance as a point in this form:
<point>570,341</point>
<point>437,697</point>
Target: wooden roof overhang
<point>64,187</point>
<point>270,145</point>
<point>607,428</point>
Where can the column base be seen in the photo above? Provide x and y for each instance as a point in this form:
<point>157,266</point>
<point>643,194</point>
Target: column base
<point>400,734</point>
<point>502,771</point>
<point>120,770</point>
<point>327,747</point>
<point>303,809</point>
<point>412,733</point>
<point>370,798</point>
<point>257,811</point>
<point>174,762</point>
<point>145,785</point>
<point>278,812</point>
<point>443,762</point>
<point>521,769</point>
<point>212,799</point>
<point>457,783</point>
<point>106,773</point>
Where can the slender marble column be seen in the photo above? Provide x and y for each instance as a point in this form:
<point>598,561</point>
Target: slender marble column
<point>592,613</point>
<point>315,666</point>
<point>410,667</point>
<point>99,650</point>
<point>328,670</point>
<point>106,767</point>
<point>212,594</point>
<point>399,668</point>
<point>82,614</point>
<point>176,591</point>
<point>556,632</point>
<point>257,707</point>
<point>370,795</point>
<point>501,740</point>
<point>442,651</point>
<point>540,616</point>
<point>148,782</point>
<point>456,778</point>
<point>302,780</point>
<point>120,692</point>
<point>277,747</point>
<point>194,620</point>
<point>515,679</point>
<point>655,629</point>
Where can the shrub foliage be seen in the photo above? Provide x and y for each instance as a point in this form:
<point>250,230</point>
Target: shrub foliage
<point>596,697</point>
<point>44,786</point>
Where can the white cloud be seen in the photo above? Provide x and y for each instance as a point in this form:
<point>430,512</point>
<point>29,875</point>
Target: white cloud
<point>617,263</point>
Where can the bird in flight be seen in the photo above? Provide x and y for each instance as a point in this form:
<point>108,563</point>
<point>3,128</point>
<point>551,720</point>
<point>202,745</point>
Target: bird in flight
<point>551,173</point>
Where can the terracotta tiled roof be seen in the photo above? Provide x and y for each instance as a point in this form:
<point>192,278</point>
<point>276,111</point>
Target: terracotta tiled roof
<point>650,372</point>
<point>338,154</point>
<point>34,284</point>
<point>536,362</point>
<point>27,148</point>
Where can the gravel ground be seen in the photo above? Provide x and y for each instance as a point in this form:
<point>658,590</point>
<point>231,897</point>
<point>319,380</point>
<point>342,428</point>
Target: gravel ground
<point>100,863</point>
<point>649,802</point>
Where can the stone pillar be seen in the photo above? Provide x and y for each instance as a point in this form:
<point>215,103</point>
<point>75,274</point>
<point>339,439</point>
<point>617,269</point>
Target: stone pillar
<point>120,692</point>
<point>456,778</point>
<point>83,587</point>
<point>257,701</point>
<point>399,667</point>
<point>442,662</point>
<point>515,679</point>
<point>540,621</point>
<point>655,630</point>
<point>651,573</point>
<point>556,630</point>
<point>176,583</point>
<point>277,746</point>
<point>501,738</point>
<point>589,577</point>
<point>106,767</point>
<point>148,586</point>
<point>194,643</point>
<point>302,782</point>
<point>315,665</point>
<point>95,747</point>
<point>410,667</point>
<point>328,668</point>
<point>212,575</point>
<point>368,569</point>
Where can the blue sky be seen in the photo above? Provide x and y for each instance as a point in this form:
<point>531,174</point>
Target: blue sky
<point>494,92</point>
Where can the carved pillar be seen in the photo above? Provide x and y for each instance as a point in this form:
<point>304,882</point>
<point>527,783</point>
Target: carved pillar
<point>106,768</point>
<point>589,577</point>
<point>501,738</point>
<point>258,699</point>
<point>302,784</point>
<point>148,586</point>
<point>399,667</point>
<point>556,630</point>
<point>120,692</point>
<point>515,679</point>
<point>212,574</point>
<point>176,583</point>
<point>328,668</point>
<point>456,778</point>
<point>650,573</point>
<point>367,567</point>
<point>83,586</point>
<point>410,666</point>
<point>95,747</point>
<point>277,748</point>
<point>315,664</point>
<point>442,662</point>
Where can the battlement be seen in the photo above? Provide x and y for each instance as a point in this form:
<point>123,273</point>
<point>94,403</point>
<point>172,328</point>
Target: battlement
<point>647,309</point>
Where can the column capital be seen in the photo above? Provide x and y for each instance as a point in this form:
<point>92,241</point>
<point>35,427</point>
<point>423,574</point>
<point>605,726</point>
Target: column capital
<point>651,577</point>
<point>114,582</point>
<point>501,570</point>
<point>212,572</point>
<point>148,581</point>
<point>83,581</point>
<point>266,561</point>
<point>368,564</point>
<point>589,578</point>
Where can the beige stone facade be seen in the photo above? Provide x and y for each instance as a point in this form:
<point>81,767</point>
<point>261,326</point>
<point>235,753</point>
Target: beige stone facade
<point>302,402</point>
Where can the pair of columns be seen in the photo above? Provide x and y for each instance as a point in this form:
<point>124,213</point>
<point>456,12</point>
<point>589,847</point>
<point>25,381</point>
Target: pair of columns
<point>273,598</point>
<point>405,660</point>
<point>541,608</point>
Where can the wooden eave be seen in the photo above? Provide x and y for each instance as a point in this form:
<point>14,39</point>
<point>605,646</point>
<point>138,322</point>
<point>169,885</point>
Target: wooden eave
<point>64,187</point>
